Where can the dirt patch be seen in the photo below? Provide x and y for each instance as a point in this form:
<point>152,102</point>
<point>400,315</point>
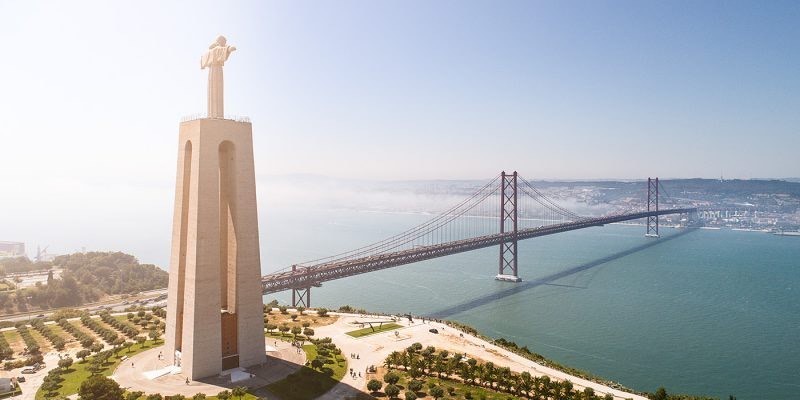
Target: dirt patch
<point>275,317</point>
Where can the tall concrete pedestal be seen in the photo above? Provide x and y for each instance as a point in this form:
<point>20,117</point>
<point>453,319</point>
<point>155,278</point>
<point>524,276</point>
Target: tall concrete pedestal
<point>214,308</point>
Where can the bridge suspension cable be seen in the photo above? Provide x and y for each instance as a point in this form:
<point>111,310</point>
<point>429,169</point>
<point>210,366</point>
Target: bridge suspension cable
<point>417,235</point>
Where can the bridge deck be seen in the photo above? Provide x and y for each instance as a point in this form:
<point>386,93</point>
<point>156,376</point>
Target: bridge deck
<point>304,277</point>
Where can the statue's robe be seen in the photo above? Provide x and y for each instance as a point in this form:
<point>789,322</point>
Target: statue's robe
<point>215,57</point>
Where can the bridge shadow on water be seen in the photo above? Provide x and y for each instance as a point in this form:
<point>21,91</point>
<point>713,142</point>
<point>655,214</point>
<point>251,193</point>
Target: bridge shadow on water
<point>548,280</point>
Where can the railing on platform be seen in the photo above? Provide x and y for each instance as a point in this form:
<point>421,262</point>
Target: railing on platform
<point>193,117</point>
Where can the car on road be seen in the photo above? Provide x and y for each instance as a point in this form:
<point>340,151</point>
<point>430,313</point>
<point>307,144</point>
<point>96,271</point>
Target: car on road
<point>433,330</point>
<point>40,316</point>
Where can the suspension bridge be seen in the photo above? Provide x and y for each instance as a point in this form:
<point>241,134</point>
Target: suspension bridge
<point>501,213</point>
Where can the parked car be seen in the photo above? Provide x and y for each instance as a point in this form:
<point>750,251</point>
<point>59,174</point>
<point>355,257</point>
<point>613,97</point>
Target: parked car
<point>28,371</point>
<point>433,330</point>
<point>21,379</point>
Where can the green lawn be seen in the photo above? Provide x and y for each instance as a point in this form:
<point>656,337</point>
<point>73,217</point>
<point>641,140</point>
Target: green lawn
<point>388,326</point>
<point>12,337</point>
<point>307,383</point>
<point>79,370</point>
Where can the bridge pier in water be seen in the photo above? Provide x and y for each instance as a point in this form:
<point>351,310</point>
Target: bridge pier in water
<point>508,268</point>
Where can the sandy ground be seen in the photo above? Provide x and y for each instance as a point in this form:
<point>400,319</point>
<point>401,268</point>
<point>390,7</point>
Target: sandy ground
<point>130,375</point>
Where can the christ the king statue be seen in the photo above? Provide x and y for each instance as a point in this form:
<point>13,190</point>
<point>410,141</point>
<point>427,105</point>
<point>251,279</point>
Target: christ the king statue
<point>214,59</point>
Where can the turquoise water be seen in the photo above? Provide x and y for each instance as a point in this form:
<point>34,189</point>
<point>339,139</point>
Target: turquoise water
<point>700,311</point>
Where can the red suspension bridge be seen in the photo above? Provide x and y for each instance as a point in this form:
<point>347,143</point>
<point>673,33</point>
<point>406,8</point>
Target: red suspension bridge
<point>501,213</point>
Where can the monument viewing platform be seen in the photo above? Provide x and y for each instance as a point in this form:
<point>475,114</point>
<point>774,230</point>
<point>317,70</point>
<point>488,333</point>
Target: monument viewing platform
<point>193,117</point>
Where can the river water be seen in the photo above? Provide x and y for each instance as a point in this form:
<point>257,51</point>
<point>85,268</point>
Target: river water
<point>713,312</point>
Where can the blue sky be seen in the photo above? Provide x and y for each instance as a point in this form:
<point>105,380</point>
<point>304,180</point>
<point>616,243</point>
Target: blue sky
<point>405,90</point>
<point>91,94</point>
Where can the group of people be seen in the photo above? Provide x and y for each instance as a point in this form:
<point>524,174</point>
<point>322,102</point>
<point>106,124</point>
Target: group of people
<point>355,356</point>
<point>353,374</point>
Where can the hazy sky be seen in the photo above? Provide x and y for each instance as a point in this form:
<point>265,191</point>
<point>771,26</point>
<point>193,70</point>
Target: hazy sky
<point>91,93</point>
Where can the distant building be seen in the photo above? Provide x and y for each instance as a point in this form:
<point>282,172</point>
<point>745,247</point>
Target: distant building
<point>12,249</point>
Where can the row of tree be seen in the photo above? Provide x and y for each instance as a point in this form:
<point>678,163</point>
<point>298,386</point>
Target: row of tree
<point>31,345</point>
<point>418,362</point>
<point>122,326</point>
<point>82,337</point>
<point>57,341</point>
<point>107,334</point>
<point>5,349</point>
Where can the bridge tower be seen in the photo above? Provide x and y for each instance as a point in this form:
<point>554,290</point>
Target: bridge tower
<point>652,205</point>
<point>507,268</point>
<point>301,296</point>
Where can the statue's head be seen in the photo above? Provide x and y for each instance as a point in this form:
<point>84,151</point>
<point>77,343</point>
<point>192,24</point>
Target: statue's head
<point>220,42</point>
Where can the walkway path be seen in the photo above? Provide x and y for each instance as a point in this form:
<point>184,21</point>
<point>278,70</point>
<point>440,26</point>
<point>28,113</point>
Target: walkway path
<point>130,374</point>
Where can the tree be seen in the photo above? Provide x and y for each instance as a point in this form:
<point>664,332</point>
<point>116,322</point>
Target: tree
<point>118,342</point>
<point>322,312</point>
<point>154,397</point>
<point>308,332</point>
<point>50,387</point>
<point>134,395</point>
<point>271,327</point>
<point>239,391</point>
<point>317,364</point>
<point>296,331</point>
<point>391,390</point>
<point>141,340</point>
<point>98,387</point>
<point>83,354</point>
<point>284,328</point>
<point>306,324</point>
<point>411,396</point>
<point>177,397</point>
<point>224,395</point>
<point>300,309</point>
<point>391,378</point>
<point>415,385</point>
<point>199,396</point>
<point>127,345</point>
<point>661,394</point>
<point>374,385</point>
<point>437,392</point>
<point>154,334</point>
<point>65,363</point>
<point>96,347</point>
